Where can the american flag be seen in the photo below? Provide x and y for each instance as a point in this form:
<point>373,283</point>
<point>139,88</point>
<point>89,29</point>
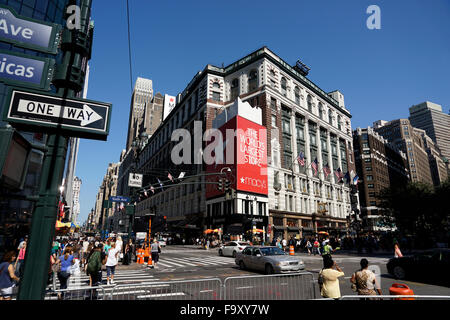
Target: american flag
<point>160,184</point>
<point>170,177</point>
<point>347,177</point>
<point>301,159</point>
<point>314,166</point>
<point>326,170</point>
<point>152,189</point>
<point>339,174</point>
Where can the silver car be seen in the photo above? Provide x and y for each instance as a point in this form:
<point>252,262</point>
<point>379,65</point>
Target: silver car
<point>268,259</point>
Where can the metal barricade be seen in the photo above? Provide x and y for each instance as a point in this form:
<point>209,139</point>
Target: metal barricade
<point>85,293</point>
<point>294,286</point>
<point>398,297</point>
<point>202,289</point>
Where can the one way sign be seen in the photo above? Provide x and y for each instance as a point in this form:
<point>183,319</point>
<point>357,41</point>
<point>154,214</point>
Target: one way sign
<point>50,113</point>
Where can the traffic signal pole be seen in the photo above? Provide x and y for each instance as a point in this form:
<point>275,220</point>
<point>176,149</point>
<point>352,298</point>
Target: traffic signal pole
<point>34,281</point>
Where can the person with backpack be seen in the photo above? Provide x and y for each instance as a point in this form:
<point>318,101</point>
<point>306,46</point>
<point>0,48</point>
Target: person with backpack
<point>94,265</point>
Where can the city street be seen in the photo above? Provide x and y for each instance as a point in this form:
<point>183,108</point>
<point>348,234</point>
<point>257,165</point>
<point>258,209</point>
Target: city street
<point>184,263</point>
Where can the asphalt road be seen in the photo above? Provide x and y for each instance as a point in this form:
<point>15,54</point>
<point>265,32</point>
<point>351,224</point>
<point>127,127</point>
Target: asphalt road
<point>191,263</point>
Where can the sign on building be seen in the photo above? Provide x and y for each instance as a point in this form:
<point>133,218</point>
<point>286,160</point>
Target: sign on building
<point>135,180</point>
<point>28,33</point>
<point>169,105</point>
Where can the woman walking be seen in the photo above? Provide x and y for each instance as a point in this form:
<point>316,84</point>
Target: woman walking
<point>155,250</point>
<point>113,254</point>
<point>364,281</point>
<point>18,266</point>
<point>66,261</point>
<point>397,252</point>
<point>7,276</point>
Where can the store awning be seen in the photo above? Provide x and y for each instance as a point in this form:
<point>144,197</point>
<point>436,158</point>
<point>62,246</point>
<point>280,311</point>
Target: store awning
<point>281,228</point>
<point>293,228</point>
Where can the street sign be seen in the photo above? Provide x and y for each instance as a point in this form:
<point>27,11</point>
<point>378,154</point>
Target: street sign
<point>135,180</point>
<point>119,199</point>
<point>72,117</point>
<point>28,33</point>
<point>23,70</point>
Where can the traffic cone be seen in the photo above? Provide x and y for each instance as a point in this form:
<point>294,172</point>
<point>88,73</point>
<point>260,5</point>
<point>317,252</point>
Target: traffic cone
<point>399,289</point>
<point>291,251</point>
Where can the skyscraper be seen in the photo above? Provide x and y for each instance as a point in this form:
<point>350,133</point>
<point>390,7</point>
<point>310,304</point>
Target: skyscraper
<point>142,96</point>
<point>430,117</point>
<point>405,137</point>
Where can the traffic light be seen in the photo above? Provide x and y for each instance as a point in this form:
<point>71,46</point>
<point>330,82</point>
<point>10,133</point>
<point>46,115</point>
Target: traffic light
<point>220,185</point>
<point>227,185</point>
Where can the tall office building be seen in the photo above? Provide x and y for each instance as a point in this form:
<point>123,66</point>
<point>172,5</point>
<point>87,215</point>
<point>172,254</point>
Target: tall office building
<point>76,199</point>
<point>430,117</point>
<point>142,96</point>
<point>405,137</point>
<point>380,165</point>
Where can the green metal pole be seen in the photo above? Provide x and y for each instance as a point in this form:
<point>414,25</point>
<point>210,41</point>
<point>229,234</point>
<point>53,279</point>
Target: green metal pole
<point>37,259</point>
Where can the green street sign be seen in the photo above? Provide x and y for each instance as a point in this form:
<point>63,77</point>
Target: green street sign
<point>73,117</point>
<point>18,69</point>
<point>27,32</point>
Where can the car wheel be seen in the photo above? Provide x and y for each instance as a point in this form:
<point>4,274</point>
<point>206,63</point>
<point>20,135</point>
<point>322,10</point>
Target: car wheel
<point>269,269</point>
<point>234,254</point>
<point>399,273</point>
<point>241,265</point>
<point>220,252</point>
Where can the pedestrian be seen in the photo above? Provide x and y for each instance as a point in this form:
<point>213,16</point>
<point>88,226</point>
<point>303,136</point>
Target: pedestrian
<point>94,265</point>
<point>66,261</point>
<point>113,254</point>
<point>20,261</point>
<point>7,276</point>
<point>316,247</point>
<point>329,279</point>
<point>309,247</point>
<point>207,244</point>
<point>327,250</point>
<point>85,252</point>
<point>364,281</point>
<point>107,246</point>
<point>155,251</point>
<point>297,245</point>
<point>284,244</point>
<point>397,252</point>
<point>119,247</point>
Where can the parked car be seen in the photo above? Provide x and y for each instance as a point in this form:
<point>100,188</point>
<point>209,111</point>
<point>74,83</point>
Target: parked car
<point>428,265</point>
<point>232,248</point>
<point>268,259</point>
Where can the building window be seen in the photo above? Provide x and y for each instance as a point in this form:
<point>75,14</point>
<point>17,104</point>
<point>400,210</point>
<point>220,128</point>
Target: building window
<point>370,186</point>
<point>297,95</point>
<point>339,122</point>
<point>368,168</point>
<point>252,80</point>
<point>283,86</point>
<point>216,96</point>
<point>274,121</point>
<point>309,102</point>
<point>234,88</point>
<point>366,159</point>
<point>330,117</point>
<point>273,104</point>
<point>320,110</point>
<point>369,178</point>
<point>286,126</point>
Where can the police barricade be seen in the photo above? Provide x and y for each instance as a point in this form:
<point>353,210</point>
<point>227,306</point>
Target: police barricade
<point>294,286</point>
<point>85,293</point>
<point>201,289</point>
<point>394,297</point>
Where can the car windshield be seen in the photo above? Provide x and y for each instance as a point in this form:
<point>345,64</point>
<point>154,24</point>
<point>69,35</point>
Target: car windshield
<point>272,251</point>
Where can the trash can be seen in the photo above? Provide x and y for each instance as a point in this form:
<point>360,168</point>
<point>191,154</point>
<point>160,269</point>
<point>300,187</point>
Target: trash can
<point>398,289</point>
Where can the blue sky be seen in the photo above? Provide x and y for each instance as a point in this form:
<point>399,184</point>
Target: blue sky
<point>380,72</point>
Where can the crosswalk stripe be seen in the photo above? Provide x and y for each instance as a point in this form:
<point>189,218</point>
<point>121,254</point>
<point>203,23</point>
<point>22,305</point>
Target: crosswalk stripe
<point>185,262</point>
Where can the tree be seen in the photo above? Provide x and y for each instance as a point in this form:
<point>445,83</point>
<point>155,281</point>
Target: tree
<point>418,209</point>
